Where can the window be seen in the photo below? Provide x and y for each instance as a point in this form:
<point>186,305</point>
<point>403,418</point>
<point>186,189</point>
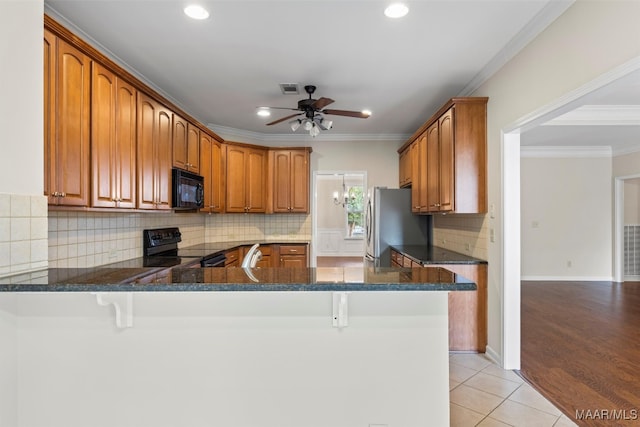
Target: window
<point>354,210</point>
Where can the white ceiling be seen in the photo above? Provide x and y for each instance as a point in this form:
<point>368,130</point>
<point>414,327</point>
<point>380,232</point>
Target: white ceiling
<point>219,70</point>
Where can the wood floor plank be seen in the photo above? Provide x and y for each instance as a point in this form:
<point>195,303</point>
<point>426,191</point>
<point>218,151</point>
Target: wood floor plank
<point>581,347</point>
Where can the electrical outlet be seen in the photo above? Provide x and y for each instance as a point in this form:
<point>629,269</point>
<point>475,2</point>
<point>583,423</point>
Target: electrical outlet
<point>492,235</point>
<point>467,246</point>
<point>569,264</point>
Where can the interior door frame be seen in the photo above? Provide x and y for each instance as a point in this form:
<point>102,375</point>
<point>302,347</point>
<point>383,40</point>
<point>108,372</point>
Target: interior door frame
<point>618,221</point>
<point>511,239</point>
<point>314,206</point>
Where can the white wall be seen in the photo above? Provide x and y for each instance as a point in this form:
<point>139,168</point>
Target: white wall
<point>588,40</point>
<point>8,361</point>
<point>632,201</point>
<point>566,218</point>
<point>21,107</point>
<point>627,165</point>
<point>233,359</point>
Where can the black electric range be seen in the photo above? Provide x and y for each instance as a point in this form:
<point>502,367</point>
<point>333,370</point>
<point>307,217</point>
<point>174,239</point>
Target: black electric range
<point>161,245</point>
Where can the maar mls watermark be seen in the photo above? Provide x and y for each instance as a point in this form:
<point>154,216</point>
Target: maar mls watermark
<point>607,414</point>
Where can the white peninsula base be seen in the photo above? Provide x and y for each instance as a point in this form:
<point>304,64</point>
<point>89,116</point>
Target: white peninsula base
<point>228,359</point>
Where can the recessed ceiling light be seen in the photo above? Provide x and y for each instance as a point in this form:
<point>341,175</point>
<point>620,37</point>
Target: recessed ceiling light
<point>263,112</point>
<point>396,10</point>
<point>196,12</point>
<point>366,112</point>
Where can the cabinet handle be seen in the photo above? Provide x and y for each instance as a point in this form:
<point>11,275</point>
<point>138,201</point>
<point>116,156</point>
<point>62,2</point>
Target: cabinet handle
<point>63,194</point>
<point>435,205</point>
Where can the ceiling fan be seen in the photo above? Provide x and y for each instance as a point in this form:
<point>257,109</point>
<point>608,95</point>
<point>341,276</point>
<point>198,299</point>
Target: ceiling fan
<point>313,110</point>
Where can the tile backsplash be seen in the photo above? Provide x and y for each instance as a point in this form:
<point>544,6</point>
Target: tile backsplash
<point>463,233</point>
<point>232,227</point>
<point>23,233</point>
<point>87,239</point>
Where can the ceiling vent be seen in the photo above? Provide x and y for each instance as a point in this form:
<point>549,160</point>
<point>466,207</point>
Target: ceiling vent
<point>289,88</point>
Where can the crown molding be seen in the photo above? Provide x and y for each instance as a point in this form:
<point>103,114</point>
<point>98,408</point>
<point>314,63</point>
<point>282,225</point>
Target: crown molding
<point>233,134</point>
<point>549,13</point>
<point>599,115</point>
<point>564,152</point>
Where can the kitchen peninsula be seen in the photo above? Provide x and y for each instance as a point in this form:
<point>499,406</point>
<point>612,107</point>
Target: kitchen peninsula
<point>228,346</point>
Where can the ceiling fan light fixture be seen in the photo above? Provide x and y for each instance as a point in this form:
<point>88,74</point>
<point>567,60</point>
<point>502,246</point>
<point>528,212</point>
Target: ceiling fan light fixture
<point>396,10</point>
<point>325,124</point>
<point>308,125</point>
<point>314,131</point>
<point>295,124</point>
<point>195,11</point>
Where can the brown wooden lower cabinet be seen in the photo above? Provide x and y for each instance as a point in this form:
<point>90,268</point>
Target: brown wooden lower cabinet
<point>467,309</point>
<point>293,255</point>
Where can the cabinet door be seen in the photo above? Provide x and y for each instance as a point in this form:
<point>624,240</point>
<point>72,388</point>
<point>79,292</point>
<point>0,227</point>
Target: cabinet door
<point>103,137</point>
<point>49,114</point>
<point>69,161</point>
<point>154,154</point>
<point>415,176</point>
<point>125,156</point>
<point>113,143</point>
<point>293,261</point>
<point>147,135</point>
<point>163,155</point>
<point>446,161</point>
<point>236,182</point>
<point>423,186</point>
<point>433,169</point>
<point>281,181</point>
<point>256,176</point>
<point>211,170</point>
<point>299,188</point>
<point>179,142</point>
<point>193,149</point>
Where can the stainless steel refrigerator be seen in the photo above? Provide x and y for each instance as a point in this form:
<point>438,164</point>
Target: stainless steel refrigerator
<point>389,221</point>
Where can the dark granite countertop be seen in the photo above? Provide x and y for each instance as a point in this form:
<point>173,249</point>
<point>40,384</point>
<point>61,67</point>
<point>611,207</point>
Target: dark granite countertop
<point>102,279</point>
<point>426,255</point>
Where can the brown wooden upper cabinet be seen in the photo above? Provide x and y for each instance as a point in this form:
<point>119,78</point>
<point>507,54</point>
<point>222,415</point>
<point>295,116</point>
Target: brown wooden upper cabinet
<point>186,145</point>
<point>67,89</point>
<point>246,179</point>
<point>211,168</point>
<point>113,140</point>
<point>154,154</point>
<point>405,178</point>
<point>290,184</point>
<point>450,171</point>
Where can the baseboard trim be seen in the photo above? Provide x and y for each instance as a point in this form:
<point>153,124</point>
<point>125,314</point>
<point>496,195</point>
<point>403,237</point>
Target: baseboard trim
<point>493,355</point>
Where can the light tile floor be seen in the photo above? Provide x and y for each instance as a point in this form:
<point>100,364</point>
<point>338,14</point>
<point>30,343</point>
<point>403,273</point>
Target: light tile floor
<point>482,394</point>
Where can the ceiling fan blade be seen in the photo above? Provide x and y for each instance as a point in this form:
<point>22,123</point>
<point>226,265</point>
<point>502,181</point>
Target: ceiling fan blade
<point>319,104</point>
<point>283,119</point>
<point>357,114</point>
<point>278,108</point>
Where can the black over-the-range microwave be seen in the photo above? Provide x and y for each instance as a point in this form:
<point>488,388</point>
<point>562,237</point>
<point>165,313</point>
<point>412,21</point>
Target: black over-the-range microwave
<point>188,190</point>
